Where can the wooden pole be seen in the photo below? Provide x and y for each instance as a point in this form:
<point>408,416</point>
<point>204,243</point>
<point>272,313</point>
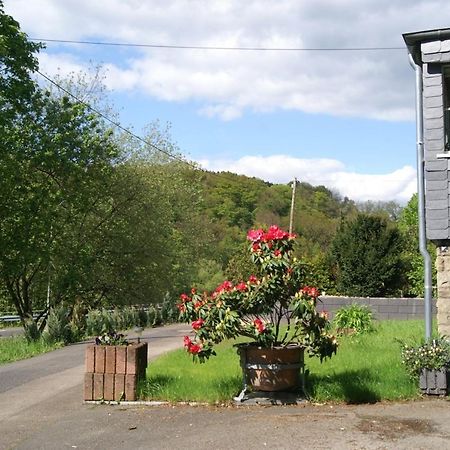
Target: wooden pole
<point>291,218</point>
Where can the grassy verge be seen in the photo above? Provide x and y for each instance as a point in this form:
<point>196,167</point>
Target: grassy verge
<point>367,368</point>
<point>16,348</point>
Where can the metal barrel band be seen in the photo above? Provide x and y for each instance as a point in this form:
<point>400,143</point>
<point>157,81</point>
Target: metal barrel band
<point>273,367</point>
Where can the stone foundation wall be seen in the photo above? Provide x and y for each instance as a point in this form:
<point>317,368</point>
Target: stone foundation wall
<point>443,289</point>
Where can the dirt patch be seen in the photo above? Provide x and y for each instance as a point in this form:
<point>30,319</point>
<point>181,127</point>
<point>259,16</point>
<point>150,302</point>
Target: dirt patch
<point>393,428</point>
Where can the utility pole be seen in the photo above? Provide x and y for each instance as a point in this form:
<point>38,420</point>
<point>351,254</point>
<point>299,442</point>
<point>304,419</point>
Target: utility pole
<point>291,219</point>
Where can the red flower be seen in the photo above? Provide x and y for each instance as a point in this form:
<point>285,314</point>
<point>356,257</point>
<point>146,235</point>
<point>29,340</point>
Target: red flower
<point>255,235</point>
<point>196,325</point>
<point>198,304</point>
<point>252,279</point>
<point>256,247</point>
<point>193,291</point>
<point>185,298</point>
<point>277,253</point>
<point>310,291</point>
<point>241,286</point>
<point>225,286</point>
<point>274,233</point>
<point>187,341</point>
<point>181,307</point>
<point>194,349</point>
<point>259,325</point>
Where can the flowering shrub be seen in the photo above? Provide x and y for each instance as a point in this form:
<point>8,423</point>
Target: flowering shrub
<point>258,308</point>
<point>111,338</point>
<point>434,354</point>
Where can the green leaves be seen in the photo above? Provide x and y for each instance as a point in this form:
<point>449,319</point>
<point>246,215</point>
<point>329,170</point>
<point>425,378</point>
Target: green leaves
<point>367,252</point>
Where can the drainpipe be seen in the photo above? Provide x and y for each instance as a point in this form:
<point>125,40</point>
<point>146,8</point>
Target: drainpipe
<point>428,283</point>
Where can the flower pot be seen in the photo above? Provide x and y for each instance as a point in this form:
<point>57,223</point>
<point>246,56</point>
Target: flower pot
<point>434,382</point>
<point>113,371</point>
<point>271,369</point>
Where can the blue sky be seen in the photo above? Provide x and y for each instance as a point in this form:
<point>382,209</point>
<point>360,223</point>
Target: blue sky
<point>344,119</point>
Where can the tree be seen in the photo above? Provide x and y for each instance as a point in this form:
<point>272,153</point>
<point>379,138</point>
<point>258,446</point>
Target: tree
<point>53,174</point>
<point>408,225</point>
<point>367,256</point>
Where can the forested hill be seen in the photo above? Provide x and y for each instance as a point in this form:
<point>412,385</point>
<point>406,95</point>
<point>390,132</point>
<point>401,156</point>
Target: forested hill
<point>235,203</point>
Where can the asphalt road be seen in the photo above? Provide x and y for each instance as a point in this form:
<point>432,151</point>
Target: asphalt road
<point>41,407</point>
<point>10,331</point>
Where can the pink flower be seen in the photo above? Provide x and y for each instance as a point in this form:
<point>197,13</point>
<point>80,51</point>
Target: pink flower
<point>259,325</point>
<point>241,286</point>
<point>252,279</point>
<point>196,325</point>
<point>255,235</point>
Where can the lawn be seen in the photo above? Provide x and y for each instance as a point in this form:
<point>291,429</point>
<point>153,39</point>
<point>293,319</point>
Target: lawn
<point>367,368</point>
<point>16,348</point>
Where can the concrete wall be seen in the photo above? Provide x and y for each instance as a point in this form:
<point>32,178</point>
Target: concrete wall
<point>382,308</point>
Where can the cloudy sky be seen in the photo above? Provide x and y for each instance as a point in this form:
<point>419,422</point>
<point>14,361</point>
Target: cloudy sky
<point>322,113</point>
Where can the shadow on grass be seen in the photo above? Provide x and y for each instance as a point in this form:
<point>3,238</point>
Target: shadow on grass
<point>353,386</point>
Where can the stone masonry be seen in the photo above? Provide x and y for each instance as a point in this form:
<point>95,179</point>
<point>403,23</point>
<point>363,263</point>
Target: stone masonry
<point>443,288</point>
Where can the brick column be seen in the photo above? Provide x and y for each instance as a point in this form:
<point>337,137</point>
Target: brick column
<point>443,290</point>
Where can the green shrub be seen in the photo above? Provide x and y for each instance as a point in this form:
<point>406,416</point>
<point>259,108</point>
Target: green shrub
<point>58,326</point>
<point>151,316</point>
<point>94,323</point>
<point>31,330</point>
<point>357,318</point>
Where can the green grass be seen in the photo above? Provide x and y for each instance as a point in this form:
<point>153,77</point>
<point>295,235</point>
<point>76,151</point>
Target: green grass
<point>367,368</point>
<point>16,348</point>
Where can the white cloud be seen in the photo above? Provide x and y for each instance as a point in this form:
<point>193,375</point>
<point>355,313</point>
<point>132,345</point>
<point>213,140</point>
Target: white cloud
<point>398,185</point>
<point>226,84</point>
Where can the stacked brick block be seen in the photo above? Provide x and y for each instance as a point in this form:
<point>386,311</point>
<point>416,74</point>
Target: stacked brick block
<point>113,372</point>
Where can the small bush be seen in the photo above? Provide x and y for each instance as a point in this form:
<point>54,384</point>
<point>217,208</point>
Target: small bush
<point>357,318</point>
<point>31,331</point>
<point>58,326</point>
<point>94,323</point>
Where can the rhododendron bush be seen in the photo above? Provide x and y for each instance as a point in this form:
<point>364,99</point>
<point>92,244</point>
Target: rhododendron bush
<point>275,308</point>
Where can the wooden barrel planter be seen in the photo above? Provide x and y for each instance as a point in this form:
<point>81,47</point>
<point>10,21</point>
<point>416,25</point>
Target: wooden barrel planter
<point>113,371</point>
<point>271,369</point>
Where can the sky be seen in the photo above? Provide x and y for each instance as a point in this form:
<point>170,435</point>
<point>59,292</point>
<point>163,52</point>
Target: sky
<point>321,113</point>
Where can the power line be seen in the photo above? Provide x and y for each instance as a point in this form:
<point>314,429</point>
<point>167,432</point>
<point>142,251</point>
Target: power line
<point>205,47</point>
<point>116,124</point>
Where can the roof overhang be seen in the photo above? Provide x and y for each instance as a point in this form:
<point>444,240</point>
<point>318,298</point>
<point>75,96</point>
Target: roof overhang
<point>413,40</point>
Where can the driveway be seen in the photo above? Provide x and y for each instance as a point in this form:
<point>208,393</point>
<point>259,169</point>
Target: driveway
<point>41,407</point>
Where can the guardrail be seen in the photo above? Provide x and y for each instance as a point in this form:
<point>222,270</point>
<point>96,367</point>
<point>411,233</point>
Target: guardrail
<point>14,318</point>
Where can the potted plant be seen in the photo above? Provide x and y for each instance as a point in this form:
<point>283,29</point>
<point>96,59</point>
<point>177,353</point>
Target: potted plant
<point>429,361</point>
<point>274,308</point>
<point>114,368</point>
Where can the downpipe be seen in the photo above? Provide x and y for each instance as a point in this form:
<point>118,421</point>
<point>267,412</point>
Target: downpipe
<point>428,283</point>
